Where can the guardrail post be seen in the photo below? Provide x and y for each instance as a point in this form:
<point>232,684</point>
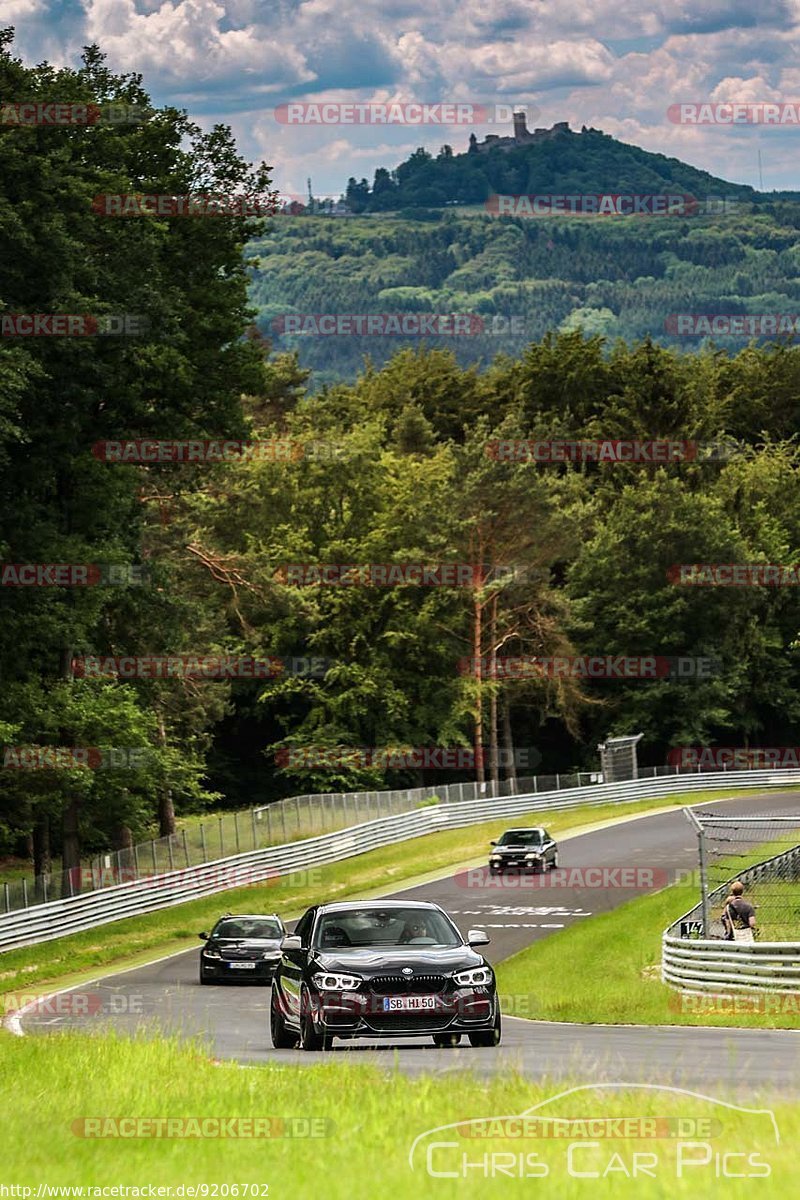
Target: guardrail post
<point>171,853</point>
<point>25,892</point>
<point>558,783</point>
<point>269,824</point>
<point>153,854</point>
<point>221,840</point>
<point>297,811</point>
<point>44,889</point>
<point>203,841</point>
<point>283,820</point>
<point>186,848</point>
<point>136,860</point>
<point>8,903</point>
<point>253,823</point>
<point>236,829</point>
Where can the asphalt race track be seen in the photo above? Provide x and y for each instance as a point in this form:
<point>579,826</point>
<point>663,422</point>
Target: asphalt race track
<point>233,1020</point>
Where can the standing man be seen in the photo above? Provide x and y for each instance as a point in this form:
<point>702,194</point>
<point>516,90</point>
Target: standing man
<point>739,916</point>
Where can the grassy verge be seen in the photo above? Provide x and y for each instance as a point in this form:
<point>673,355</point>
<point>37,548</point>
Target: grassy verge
<point>614,973</point>
<point>369,1120</point>
<point>135,939</point>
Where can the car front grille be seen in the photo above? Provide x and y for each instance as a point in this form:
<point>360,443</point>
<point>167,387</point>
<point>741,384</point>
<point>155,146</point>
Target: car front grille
<point>422,1022</point>
<point>423,985</point>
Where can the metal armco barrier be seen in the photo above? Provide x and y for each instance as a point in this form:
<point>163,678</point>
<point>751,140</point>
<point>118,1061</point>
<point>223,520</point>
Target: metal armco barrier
<point>58,918</point>
<point>714,965</point>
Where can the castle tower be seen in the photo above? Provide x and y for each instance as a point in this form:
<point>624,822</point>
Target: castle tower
<point>520,128</point>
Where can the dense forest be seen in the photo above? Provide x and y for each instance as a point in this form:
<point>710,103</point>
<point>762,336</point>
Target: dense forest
<point>393,466</point>
<point>622,277</point>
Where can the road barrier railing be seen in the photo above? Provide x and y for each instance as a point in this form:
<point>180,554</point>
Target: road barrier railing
<point>57,918</point>
<point>719,966</point>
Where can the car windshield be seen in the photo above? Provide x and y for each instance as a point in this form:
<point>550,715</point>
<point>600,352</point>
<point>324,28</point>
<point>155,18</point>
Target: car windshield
<point>521,837</point>
<point>389,927</point>
<point>248,927</point>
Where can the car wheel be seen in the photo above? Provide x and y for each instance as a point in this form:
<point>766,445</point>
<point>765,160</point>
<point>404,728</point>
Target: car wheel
<point>555,861</point>
<point>309,1038</point>
<point>282,1038</point>
<point>487,1037</point>
<point>205,978</point>
<point>446,1039</point>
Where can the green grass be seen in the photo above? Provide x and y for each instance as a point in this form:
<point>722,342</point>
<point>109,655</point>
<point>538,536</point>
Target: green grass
<point>370,1118</point>
<point>126,942</point>
<point>614,971</point>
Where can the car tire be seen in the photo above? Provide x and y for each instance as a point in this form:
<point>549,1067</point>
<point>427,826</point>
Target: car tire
<point>488,1037</point>
<point>446,1039</point>
<point>205,978</point>
<point>309,1038</point>
<point>282,1037</point>
<point>554,864</point>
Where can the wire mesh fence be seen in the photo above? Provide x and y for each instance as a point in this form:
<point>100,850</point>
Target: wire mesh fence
<point>763,853</point>
<point>210,837</point>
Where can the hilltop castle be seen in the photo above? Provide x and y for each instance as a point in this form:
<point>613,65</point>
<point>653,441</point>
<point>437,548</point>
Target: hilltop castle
<point>522,136</point>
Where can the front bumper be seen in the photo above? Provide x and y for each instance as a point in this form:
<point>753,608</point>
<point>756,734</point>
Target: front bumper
<point>365,1015</point>
<point>225,969</point>
<point>519,864</point>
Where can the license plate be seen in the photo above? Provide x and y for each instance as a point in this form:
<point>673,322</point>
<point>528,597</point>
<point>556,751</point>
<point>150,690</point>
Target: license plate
<point>242,966</point>
<point>407,1003</point>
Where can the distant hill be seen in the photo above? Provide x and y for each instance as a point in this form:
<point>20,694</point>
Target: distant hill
<point>425,243</point>
<point>559,161</point>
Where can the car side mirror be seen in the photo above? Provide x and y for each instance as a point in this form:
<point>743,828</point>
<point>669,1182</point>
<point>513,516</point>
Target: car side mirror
<point>492,843</point>
<point>477,937</point>
<point>292,942</point>
<point>203,936</point>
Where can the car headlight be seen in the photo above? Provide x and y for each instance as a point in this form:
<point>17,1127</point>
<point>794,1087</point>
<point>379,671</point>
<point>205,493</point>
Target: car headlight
<point>495,858</point>
<point>272,955</point>
<point>330,981</point>
<point>534,854</point>
<point>211,953</point>
<point>474,978</point>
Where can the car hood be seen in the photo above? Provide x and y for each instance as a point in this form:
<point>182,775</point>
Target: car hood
<point>369,961</point>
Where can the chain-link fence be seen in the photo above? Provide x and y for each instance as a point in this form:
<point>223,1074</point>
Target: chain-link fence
<point>209,838</point>
<point>763,853</point>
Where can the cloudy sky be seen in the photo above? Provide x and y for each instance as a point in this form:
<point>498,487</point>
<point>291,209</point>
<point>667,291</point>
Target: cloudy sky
<point>614,64</point>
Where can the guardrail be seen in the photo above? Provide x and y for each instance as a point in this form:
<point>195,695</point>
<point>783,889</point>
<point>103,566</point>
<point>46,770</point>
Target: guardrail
<point>717,965</point>
<point>58,918</point>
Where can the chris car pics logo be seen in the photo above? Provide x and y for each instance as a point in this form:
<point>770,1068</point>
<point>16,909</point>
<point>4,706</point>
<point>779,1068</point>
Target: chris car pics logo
<point>645,1131</point>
